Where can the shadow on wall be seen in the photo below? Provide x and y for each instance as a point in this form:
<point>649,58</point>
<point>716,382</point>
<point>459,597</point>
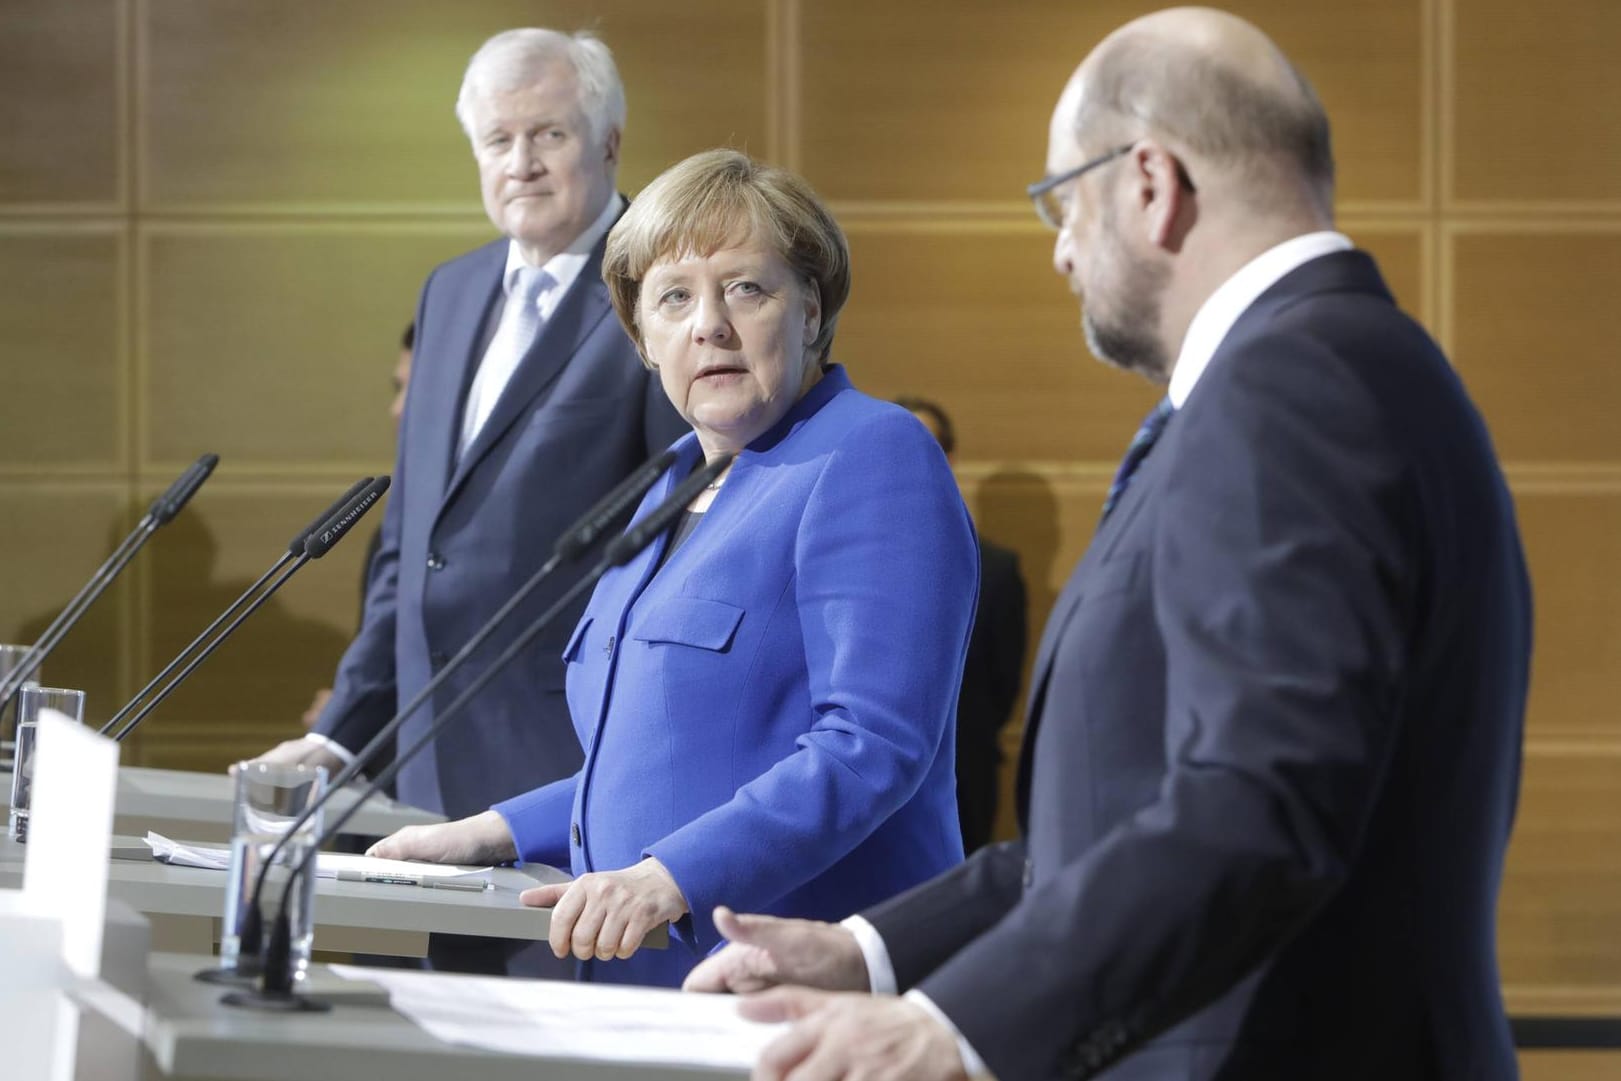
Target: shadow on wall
<point>254,687</point>
<point>1018,509</point>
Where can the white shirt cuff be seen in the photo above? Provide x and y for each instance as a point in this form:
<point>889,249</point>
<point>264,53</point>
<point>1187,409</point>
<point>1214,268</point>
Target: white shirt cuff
<point>972,1064</point>
<point>880,972</point>
<point>332,745</point>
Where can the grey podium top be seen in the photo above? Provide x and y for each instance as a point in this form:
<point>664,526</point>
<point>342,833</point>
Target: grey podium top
<point>191,1035</point>
<point>158,889</point>
<point>198,806</point>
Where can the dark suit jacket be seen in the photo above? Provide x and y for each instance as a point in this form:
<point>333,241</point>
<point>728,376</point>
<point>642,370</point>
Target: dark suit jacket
<point>990,683</point>
<point>1273,742</point>
<point>459,537</point>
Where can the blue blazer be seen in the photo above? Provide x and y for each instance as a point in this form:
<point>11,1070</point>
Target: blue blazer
<point>460,536</point>
<point>1273,739</point>
<point>771,713</point>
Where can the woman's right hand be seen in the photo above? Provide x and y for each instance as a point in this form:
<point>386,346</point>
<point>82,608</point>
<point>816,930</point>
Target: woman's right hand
<point>483,838</point>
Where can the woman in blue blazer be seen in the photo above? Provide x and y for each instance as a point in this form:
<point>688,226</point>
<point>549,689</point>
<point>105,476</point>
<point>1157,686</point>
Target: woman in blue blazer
<point>765,695</point>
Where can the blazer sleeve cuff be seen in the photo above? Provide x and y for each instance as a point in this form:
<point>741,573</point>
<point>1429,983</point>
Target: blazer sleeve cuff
<point>972,1064</point>
<point>539,821</point>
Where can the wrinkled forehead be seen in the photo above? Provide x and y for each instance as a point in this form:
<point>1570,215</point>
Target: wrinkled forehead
<point>702,235</point>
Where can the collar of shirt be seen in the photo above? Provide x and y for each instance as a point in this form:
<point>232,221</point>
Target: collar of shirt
<point>1222,308</point>
<point>566,265</point>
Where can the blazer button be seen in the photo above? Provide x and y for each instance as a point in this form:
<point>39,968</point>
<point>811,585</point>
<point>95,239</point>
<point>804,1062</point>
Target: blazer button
<point>1029,873</point>
<point>574,833</point>
<point>436,562</point>
<point>608,646</point>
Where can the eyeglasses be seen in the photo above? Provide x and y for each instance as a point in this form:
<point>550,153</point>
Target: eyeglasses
<point>1044,193</point>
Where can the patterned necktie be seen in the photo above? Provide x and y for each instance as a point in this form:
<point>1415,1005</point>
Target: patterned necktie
<point>1141,443</point>
<point>520,323</point>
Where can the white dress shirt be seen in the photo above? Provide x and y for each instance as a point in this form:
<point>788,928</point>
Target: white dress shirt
<point>502,355</point>
<point>1209,327</point>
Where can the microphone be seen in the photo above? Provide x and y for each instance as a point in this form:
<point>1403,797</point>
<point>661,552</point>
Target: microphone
<point>160,513</point>
<point>294,548</point>
<point>317,542</point>
<point>275,991</point>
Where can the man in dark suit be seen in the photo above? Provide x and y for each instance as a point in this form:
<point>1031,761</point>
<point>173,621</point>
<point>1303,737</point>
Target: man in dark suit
<point>526,403</point>
<point>995,661</point>
<point>1272,748</point>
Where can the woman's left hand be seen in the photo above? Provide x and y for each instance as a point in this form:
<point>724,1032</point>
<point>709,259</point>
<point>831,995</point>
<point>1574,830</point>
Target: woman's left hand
<point>607,914</point>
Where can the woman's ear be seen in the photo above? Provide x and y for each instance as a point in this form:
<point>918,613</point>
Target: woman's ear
<point>813,311</point>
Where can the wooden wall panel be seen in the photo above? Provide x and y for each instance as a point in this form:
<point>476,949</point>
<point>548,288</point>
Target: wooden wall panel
<point>944,114</point>
<point>1534,335</point>
<point>340,107</point>
<point>978,320</point>
<point>1570,1065</point>
<point>1561,900</point>
<point>1536,100</point>
<point>59,102</point>
<point>61,354</point>
<point>53,537</point>
<point>273,346</point>
<point>1573,544</point>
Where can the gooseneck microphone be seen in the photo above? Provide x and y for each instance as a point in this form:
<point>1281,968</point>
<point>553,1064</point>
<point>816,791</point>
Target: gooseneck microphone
<point>575,541</point>
<point>317,541</point>
<point>275,991</point>
<point>159,514</point>
<point>295,548</point>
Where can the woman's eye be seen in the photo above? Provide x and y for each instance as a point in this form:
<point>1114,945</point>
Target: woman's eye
<point>673,296</point>
<point>747,288</point>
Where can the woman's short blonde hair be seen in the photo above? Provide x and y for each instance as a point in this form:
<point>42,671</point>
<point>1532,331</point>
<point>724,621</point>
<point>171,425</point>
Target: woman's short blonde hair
<point>716,199</point>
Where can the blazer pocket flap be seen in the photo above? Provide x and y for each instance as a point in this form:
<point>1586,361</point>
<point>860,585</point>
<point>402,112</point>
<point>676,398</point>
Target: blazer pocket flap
<point>571,652</point>
<point>690,621</point>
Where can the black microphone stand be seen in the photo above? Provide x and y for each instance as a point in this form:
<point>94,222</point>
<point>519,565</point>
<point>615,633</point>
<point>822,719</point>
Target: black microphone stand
<point>579,538</point>
<point>295,548</point>
<point>160,513</point>
<point>276,985</point>
<point>316,545</point>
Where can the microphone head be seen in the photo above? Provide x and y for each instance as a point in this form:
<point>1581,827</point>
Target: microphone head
<point>170,503</point>
<point>295,547</point>
<point>334,528</point>
<point>612,507</point>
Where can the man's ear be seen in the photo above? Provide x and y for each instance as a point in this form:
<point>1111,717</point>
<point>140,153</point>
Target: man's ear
<point>611,143</point>
<point>1162,193</point>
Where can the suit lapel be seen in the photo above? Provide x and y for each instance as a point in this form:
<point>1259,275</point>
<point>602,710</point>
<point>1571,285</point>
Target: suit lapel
<point>444,367</point>
<point>583,307</point>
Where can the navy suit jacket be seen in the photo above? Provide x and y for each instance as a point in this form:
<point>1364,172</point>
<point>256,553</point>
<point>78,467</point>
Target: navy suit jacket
<point>770,714</point>
<point>1273,737</point>
<point>459,536</point>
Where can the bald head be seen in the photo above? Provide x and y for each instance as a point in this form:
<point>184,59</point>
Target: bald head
<point>1217,89</point>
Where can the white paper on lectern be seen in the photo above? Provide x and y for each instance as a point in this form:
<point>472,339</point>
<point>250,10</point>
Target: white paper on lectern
<point>70,826</point>
<point>327,864</point>
<point>556,1019</point>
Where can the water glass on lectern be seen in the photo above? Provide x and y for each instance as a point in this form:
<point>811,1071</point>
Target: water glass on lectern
<point>268,799</point>
<point>11,658</point>
<point>34,703</point>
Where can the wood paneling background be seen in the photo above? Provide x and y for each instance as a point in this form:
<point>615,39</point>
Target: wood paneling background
<point>215,214</point>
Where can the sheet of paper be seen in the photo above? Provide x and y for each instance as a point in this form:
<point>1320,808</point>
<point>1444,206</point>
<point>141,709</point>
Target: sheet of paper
<point>554,1019</point>
<point>70,829</point>
<point>327,864</point>
<point>69,832</point>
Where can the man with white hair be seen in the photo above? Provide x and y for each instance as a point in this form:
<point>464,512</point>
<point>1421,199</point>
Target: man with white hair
<point>527,402</point>
<point>1273,737</point>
